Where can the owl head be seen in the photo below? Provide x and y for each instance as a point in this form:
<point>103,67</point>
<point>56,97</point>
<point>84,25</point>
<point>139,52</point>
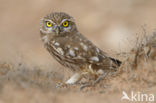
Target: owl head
<point>57,24</point>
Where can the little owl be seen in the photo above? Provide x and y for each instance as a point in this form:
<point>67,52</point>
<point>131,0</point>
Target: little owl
<point>70,48</point>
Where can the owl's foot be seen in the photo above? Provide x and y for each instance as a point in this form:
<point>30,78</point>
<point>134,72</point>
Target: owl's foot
<point>92,84</point>
<point>84,86</point>
<point>101,77</point>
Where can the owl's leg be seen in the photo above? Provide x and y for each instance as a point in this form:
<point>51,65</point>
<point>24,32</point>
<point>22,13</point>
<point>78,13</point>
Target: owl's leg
<point>74,79</point>
<point>101,77</point>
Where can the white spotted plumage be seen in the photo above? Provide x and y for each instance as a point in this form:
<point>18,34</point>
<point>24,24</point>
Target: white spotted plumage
<point>94,58</point>
<point>71,52</point>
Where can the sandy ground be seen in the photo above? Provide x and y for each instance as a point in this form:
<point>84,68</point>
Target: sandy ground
<point>28,74</point>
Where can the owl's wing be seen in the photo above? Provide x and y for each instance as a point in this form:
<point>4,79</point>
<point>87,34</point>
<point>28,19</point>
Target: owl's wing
<point>85,52</point>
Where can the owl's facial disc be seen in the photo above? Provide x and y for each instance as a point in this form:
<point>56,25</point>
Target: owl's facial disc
<point>57,28</point>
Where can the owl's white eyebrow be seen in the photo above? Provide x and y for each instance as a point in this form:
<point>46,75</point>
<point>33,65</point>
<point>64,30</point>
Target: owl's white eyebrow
<point>49,20</point>
<point>65,20</point>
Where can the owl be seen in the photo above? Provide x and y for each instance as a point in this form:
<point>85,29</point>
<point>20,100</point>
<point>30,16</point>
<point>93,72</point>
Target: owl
<point>73,50</point>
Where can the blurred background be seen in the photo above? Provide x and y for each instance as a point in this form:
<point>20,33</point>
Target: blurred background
<point>108,24</point>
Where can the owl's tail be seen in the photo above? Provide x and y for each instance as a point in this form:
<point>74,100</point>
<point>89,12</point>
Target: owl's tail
<point>116,61</point>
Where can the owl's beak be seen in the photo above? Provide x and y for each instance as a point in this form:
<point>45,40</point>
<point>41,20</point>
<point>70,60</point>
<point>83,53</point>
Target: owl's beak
<point>57,30</point>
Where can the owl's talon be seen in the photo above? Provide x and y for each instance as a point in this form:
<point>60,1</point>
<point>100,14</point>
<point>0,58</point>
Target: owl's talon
<point>92,84</point>
<point>84,86</point>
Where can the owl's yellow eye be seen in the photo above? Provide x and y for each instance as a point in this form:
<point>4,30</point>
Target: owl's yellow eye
<point>49,24</point>
<point>65,24</point>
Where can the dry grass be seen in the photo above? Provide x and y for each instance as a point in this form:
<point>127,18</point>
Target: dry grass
<point>19,84</point>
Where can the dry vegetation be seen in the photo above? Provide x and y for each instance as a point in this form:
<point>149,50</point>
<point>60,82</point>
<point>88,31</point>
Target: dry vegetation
<point>19,84</point>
